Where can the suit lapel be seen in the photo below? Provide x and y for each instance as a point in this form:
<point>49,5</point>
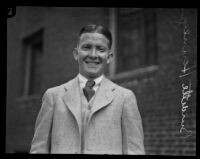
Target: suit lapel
<point>103,97</point>
<point>72,99</point>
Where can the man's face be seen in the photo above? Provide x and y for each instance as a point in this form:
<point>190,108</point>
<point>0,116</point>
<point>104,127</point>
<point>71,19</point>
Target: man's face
<point>92,54</point>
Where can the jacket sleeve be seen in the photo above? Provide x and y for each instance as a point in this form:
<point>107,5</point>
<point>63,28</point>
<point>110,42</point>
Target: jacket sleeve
<point>41,139</point>
<point>132,131</point>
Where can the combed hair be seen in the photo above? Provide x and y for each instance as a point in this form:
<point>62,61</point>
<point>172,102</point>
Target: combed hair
<point>92,28</point>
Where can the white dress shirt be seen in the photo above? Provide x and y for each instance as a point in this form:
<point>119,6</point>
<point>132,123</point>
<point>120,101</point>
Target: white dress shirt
<point>83,80</point>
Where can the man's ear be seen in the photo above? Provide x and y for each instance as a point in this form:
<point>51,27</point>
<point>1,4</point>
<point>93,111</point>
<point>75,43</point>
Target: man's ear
<point>75,54</point>
<point>110,57</point>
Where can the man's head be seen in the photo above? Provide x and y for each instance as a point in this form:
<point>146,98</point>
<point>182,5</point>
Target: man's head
<point>93,50</point>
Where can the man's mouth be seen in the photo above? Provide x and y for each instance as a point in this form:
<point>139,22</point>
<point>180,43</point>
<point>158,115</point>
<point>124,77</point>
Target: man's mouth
<point>92,62</point>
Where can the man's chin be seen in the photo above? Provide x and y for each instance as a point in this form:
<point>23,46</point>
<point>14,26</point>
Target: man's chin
<point>92,74</point>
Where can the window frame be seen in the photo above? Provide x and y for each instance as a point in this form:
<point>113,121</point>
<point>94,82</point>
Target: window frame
<point>113,21</point>
<point>27,43</point>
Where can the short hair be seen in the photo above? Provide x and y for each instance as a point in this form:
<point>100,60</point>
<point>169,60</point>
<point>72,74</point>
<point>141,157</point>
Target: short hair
<point>92,28</point>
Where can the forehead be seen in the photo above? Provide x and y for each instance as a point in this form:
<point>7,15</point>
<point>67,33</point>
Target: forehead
<point>93,38</point>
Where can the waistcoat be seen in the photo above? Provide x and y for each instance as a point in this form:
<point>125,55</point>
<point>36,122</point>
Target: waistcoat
<point>86,108</point>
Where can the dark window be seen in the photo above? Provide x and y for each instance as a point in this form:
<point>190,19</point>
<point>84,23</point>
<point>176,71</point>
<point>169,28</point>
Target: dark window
<point>33,47</point>
<point>136,34</point>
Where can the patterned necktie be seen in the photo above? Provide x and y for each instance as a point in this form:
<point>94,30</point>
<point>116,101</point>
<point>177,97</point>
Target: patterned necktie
<point>88,91</point>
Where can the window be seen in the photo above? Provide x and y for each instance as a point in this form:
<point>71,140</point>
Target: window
<point>135,38</point>
<point>33,47</point>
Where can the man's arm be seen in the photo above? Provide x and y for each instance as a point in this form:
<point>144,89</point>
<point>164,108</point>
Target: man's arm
<point>41,140</point>
<point>132,130</point>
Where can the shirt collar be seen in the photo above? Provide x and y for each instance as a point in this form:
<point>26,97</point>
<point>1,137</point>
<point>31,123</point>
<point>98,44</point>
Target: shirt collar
<point>83,80</point>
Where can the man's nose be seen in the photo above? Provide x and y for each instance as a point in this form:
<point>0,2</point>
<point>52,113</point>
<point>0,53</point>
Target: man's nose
<point>93,53</point>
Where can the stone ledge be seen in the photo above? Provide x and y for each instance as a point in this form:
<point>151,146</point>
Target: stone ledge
<point>26,101</point>
<point>134,73</point>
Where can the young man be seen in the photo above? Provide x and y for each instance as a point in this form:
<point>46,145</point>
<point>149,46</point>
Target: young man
<point>89,114</point>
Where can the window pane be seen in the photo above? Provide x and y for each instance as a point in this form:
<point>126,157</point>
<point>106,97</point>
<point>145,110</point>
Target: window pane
<point>33,46</point>
<point>136,38</point>
<point>36,63</point>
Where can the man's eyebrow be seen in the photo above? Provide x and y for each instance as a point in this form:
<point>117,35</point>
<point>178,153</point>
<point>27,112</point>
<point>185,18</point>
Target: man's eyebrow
<point>86,44</point>
<point>101,46</point>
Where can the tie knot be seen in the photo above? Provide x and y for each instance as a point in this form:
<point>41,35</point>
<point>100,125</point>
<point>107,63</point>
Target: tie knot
<point>90,83</point>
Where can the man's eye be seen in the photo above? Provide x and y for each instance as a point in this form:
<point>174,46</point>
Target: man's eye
<point>86,47</point>
<point>101,49</point>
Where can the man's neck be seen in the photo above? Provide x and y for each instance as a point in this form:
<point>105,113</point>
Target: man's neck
<point>92,78</point>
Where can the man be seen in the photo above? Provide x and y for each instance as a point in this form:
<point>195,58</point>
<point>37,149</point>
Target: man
<point>89,114</point>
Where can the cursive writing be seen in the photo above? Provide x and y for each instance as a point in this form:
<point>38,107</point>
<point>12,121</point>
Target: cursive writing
<point>185,71</point>
<point>185,52</point>
<point>186,94</point>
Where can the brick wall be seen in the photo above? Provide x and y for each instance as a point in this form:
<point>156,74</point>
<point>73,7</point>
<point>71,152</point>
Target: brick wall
<point>159,94</point>
<point>158,90</point>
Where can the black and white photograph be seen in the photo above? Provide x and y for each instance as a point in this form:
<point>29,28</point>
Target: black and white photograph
<point>101,80</point>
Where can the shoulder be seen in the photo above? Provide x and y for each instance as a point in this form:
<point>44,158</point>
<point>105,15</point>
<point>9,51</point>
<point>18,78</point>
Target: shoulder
<point>125,92</point>
<point>60,88</point>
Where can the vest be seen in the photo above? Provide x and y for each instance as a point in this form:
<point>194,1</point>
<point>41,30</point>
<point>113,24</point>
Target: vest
<point>86,108</point>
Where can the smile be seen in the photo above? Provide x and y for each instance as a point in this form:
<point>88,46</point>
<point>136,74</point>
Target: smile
<point>92,62</point>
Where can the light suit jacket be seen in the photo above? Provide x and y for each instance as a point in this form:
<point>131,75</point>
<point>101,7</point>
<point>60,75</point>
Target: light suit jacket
<point>114,127</point>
